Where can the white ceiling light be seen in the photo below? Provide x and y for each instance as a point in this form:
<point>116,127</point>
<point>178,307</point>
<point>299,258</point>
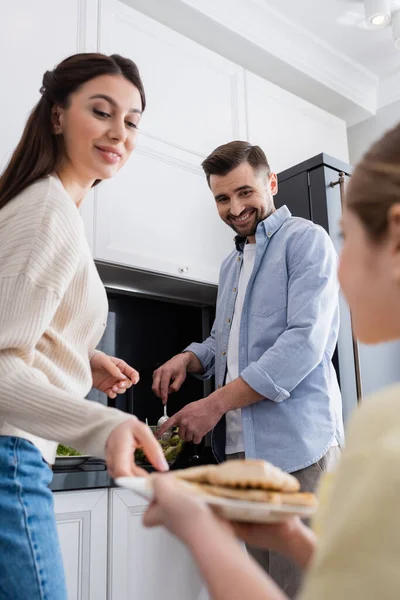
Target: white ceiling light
<point>396,29</point>
<point>377,13</point>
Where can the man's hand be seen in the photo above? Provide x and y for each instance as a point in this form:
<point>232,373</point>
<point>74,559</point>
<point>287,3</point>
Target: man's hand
<point>169,377</point>
<point>198,418</point>
<point>112,375</point>
<point>194,420</point>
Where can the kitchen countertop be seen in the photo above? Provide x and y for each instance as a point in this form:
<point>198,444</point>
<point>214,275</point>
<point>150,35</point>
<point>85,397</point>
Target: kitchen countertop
<point>92,474</point>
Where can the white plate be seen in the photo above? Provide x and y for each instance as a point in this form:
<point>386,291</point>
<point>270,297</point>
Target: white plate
<point>233,510</point>
<point>71,461</point>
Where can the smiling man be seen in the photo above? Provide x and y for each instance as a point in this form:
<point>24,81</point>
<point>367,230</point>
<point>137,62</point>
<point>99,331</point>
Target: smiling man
<point>272,342</point>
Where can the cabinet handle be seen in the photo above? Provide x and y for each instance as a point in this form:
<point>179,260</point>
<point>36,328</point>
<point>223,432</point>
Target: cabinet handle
<point>341,183</point>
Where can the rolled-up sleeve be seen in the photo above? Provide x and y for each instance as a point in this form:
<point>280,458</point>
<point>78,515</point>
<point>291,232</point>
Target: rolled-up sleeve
<point>205,352</point>
<point>311,311</point>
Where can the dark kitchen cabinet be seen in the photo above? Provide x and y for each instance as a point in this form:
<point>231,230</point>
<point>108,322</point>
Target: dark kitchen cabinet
<point>312,190</point>
<point>306,190</point>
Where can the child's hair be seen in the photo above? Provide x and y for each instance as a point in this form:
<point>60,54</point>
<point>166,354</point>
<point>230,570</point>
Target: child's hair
<point>375,184</point>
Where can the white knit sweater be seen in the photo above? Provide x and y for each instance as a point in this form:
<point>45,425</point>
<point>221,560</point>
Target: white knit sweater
<point>53,310</point>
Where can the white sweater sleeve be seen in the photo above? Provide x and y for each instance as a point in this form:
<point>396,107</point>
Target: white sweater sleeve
<point>27,399</point>
<point>37,264</point>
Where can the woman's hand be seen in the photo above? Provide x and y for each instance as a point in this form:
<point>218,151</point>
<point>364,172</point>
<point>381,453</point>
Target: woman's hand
<point>112,375</point>
<point>122,443</point>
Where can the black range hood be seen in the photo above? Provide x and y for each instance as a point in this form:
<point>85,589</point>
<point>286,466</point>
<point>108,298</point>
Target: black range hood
<point>156,285</point>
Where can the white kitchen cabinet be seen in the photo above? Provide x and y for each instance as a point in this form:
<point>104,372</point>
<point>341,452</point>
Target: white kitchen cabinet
<point>82,527</point>
<point>195,97</point>
<point>147,563</point>
<point>158,213</point>
<point>34,37</point>
<point>288,128</point>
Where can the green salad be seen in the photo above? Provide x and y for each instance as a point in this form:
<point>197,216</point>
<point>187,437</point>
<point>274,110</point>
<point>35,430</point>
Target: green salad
<point>171,449</point>
<point>67,451</point>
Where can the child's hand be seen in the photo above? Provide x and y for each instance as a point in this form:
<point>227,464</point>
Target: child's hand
<point>186,516</point>
<point>181,513</point>
<point>291,538</point>
<point>269,536</point>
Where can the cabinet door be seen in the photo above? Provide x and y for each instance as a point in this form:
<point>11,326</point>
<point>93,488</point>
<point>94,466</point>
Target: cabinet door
<point>158,213</point>
<point>147,563</point>
<point>82,527</point>
<point>294,193</point>
<point>35,36</point>
<point>195,97</point>
<point>289,129</point>
<point>326,206</point>
<point>377,366</point>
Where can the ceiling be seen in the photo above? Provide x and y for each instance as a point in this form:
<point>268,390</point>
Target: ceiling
<point>339,24</point>
<point>315,49</point>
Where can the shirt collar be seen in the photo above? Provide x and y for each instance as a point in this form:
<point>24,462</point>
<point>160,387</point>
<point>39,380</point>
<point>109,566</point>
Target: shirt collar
<point>266,228</point>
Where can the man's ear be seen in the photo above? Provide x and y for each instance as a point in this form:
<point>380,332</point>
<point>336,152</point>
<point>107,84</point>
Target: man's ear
<point>273,183</point>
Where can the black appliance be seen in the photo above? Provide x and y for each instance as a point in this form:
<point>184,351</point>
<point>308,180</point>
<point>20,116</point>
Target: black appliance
<point>314,190</point>
<point>145,328</point>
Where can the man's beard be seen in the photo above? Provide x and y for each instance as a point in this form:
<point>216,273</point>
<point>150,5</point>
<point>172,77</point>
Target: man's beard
<point>252,226</point>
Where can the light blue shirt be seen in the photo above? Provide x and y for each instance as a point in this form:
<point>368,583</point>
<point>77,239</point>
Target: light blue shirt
<point>288,334</point>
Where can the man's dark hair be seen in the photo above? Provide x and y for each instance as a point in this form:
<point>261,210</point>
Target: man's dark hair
<point>229,156</point>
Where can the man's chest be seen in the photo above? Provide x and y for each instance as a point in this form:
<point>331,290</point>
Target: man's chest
<point>260,293</point>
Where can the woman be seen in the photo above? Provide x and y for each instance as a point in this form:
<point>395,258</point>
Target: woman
<point>53,310</point>
<point>359,547</point>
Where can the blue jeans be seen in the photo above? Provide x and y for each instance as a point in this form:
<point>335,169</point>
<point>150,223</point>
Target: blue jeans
<point>30,558</point>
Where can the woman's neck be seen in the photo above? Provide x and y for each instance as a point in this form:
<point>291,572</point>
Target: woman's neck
<point>76,185</point>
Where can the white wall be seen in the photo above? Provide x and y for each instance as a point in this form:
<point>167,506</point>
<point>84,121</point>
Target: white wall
<point>364,134</point>
<point>30,43</point>
<point>380,365</point>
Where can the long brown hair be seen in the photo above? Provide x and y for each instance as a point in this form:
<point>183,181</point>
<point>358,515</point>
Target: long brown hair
<point>39,152</point>
<point>229,156</point>
<point>375,184</point>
